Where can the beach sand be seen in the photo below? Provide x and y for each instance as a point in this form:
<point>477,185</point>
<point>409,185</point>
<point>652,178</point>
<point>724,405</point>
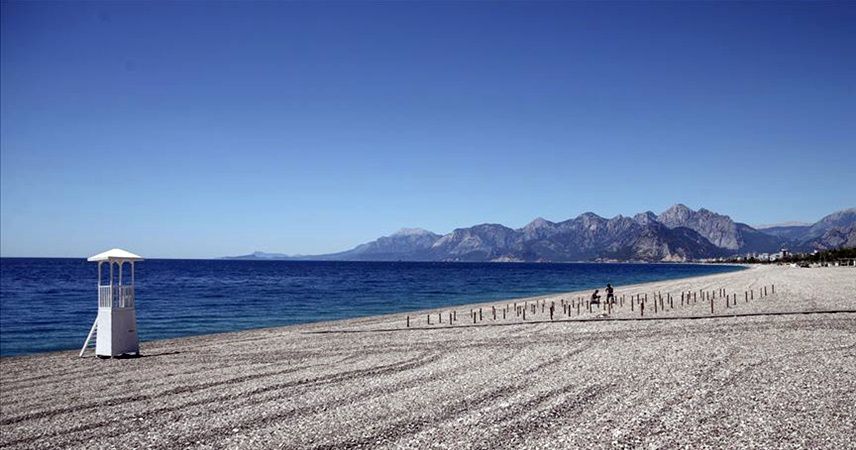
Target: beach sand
<point>679,378</point>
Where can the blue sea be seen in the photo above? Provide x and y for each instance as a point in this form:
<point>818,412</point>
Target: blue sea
<point>49,304</point>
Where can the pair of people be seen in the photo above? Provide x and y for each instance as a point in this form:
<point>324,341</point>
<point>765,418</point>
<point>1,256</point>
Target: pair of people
<point>610,296</point>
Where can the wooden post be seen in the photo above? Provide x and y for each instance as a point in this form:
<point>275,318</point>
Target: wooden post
<point>746,296</point>
<point>551,312</point>
<point>494,312</point>
<point>752,294</point>
<point>682,298</point>
<point>655,304</point>
<point>408,321</point>
<point>631,303</point>
<point>440,317</point>
<point>524,313</point>
<point>642,308</point>
<point>481,317</point>
<point>711,305</point>
<point>765,291</point>
<point>773,287</point>
<point>429,319</point>
<point>450,318</point>
<point>503,313</point>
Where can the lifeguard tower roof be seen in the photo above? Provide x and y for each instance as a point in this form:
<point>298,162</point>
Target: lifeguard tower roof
<point>115,255</point>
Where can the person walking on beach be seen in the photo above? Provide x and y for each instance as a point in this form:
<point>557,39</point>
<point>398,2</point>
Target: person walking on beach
<point>609,293</point>
<point>594,297</point>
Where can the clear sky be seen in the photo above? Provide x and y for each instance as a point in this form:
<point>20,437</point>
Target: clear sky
<point>188,129</point>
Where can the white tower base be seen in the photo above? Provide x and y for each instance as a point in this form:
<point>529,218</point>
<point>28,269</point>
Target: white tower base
<point>117,332</point>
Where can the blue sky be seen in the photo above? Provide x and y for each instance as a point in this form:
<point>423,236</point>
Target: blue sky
<point>189,129</point>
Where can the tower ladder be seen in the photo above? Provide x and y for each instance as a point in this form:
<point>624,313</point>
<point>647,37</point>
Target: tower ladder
<point>92,333</point>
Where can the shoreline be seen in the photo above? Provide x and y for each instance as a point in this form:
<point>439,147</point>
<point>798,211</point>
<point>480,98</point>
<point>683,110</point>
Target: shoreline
<point>414,311</point>
<point>739,381</point>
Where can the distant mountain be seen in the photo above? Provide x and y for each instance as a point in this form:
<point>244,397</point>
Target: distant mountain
<point>261,255</point>
<point>827,233</point>
<point>790,223</point>
<point>677,234</point>
<point>787,232</point>
<point>408,244</point>
<point>720,230</point>
<point>830,232</point>
<point>840,219</point>
<point>833,238</point>
<point>483,242</point>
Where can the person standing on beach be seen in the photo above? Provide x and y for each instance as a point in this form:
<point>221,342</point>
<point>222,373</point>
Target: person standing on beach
<point>609,295</point>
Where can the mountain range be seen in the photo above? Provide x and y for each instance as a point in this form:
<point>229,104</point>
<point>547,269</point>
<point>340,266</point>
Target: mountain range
<point>677,234</point>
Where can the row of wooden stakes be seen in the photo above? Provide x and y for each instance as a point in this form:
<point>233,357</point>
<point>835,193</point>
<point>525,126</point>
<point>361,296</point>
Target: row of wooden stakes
<point>636,301</point>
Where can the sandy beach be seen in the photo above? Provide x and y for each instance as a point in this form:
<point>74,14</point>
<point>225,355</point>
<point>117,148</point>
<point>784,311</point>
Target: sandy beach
<point>776,371</point>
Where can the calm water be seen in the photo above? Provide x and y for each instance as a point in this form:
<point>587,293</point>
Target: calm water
<point>50,304</point>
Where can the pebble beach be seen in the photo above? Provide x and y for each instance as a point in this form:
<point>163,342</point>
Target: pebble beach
<point>773,366</point>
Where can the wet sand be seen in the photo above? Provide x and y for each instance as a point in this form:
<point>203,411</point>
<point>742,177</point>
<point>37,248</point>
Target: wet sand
<point>753,376</point>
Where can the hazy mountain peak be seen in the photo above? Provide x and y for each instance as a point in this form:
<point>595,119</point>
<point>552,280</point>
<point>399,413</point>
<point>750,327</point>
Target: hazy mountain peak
<point>792,223</point>
<point>539,228</point>
<point>645,218</point>
<point>260,255</point>
<point>589,215</point>
<point>539,222</point>
<point>412,232</point>
<point>676,213</point>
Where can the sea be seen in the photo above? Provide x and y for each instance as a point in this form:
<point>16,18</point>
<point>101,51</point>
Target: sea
<point>49,304</point>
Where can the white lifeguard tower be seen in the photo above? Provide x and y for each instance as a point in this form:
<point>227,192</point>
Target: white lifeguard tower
<point>115,327</point>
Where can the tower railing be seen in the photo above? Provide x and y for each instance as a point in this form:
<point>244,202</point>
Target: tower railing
<point>116,296</point>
